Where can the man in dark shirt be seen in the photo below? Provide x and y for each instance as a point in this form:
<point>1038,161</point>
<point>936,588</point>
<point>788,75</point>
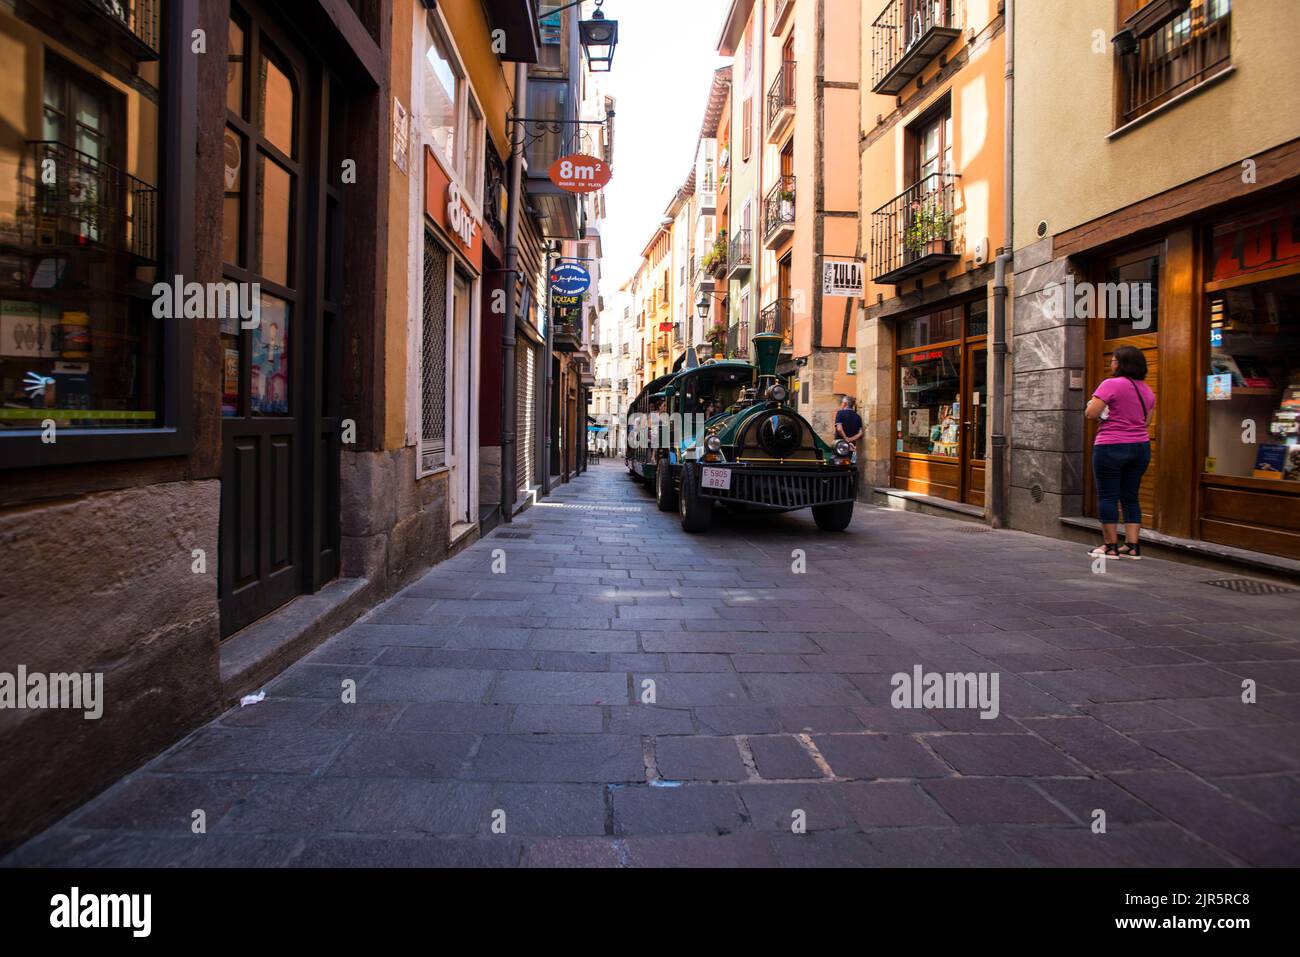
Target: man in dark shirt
<point>848,425</point>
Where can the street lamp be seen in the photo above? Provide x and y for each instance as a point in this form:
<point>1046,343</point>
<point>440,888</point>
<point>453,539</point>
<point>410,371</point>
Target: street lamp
<point>599,37</point>
<point>702,305</point>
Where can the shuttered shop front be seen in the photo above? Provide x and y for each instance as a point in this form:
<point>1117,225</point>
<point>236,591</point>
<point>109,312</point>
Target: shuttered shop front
<point>526,413</point>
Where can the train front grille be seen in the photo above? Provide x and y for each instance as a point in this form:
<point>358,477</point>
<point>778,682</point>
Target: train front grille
<point>786,490</point>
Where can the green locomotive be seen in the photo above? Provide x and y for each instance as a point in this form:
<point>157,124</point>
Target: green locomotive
<point>723,433</point>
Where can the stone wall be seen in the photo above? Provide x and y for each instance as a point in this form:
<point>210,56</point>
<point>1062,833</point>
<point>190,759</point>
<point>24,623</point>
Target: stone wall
<point>875,403</point>
<point>393,526</point>
<point>105,583</point>
<point>1048,395</point>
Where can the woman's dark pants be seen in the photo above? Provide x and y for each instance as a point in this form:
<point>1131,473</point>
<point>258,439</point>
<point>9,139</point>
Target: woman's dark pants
<point>1118,470</point>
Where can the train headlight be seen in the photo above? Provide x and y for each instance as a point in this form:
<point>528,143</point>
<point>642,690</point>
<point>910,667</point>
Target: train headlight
<point>843,449</point>
<point>713,444</point>
<point>778,393</point>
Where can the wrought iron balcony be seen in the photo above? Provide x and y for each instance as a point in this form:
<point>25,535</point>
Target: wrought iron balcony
<point>778,211</point>
<point>780,102</point>
<point>715,260</point>
<point>567,337</point>
<point>740,253</point>
<point>776,317</point>
<point>913,232</point>
<point>89,204</point>
<point>662,350</point>
<point>738,340</point>
<point>903,43</point>
<point>134,23</point>
<point>1185,51</point>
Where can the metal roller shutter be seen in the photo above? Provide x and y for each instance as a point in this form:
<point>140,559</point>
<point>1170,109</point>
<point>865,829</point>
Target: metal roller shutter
<point>525,412</point>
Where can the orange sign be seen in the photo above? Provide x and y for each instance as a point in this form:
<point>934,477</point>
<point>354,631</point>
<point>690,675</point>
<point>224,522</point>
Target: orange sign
<point>579,173</point>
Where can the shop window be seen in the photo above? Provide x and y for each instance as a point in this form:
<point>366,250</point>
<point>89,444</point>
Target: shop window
<point>1253,382</point>
<point>78,248</point>
<point>930,388</point>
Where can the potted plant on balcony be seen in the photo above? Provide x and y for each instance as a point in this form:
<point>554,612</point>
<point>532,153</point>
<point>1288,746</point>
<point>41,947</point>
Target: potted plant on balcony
<point>787,205</point>
<point>927,229</point>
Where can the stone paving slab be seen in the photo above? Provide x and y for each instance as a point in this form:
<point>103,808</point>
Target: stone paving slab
<point>629,695</point>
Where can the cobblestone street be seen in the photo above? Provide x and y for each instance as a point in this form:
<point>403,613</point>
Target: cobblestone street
<point>499,716</point>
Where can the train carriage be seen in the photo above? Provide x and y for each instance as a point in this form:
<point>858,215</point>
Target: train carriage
<point>725,434</point>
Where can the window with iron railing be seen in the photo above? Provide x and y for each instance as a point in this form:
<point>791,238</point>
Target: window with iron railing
<point>1165,60</point>
<point>778,205</point>
<point>780,95</point>
<point>776,317</point>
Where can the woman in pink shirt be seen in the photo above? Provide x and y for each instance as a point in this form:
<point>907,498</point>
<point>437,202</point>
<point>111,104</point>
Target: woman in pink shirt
<point>1122,450</point>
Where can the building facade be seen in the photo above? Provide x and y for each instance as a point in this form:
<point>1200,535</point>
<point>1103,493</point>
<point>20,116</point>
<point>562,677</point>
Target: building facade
<point>1185,155</point>
<point>277,336</point>
<point>932,213</point>
<point>187,408</point>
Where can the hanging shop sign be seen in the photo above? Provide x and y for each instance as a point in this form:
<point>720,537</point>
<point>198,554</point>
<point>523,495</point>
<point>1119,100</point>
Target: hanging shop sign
<point>569,279</point>
<point>842,278</point>
<point>579,173</point>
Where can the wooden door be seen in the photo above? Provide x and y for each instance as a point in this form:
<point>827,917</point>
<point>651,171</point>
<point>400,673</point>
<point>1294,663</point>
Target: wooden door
<point>279,469</point>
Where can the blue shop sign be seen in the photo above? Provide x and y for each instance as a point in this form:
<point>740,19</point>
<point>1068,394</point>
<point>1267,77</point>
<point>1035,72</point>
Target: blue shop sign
<point>570,279</point>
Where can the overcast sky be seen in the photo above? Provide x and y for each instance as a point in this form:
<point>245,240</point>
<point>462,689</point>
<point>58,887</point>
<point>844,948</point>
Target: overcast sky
<point>663,67</point>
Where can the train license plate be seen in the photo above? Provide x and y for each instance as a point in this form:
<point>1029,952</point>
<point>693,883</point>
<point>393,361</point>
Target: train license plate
<point>716,478</point>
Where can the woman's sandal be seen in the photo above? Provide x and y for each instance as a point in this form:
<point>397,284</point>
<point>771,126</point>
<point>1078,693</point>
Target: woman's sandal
<point>1133,551</point>
<point>1109,551</point>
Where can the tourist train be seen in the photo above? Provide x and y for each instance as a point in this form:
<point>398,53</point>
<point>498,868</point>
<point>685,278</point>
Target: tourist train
<point>724,433</point>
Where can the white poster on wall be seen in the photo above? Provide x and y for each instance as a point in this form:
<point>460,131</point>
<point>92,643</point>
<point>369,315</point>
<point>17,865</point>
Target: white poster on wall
<point>842,277</point>
<point>918,422</point>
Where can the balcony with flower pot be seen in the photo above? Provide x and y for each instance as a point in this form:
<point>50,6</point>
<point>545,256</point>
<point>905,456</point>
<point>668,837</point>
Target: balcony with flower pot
<point>567,337</point>
<point>778,212</point>
<point>914,232</point>
<point>906,38</point>
<point>714,261</point>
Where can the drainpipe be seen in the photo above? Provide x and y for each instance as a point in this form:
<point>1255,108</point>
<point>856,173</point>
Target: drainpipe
<point>509,449</point>
<point>548,382</point>
<point>1003,264</point>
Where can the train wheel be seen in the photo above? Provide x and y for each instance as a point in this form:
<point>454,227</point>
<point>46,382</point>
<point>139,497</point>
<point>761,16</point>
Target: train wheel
<point>665,497</point>
<point>695,510</point>
<point>833,518</point>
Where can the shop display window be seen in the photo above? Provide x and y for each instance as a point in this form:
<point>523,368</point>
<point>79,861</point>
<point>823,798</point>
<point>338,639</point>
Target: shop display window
<point>1252,385</point>
<point>930,401</point>
<point>79,210</point>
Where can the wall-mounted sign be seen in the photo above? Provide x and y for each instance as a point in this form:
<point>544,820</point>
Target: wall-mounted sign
<point>569,279</point>
<point>851,365</point>
<point>842,277</point>
<point>579,173</point>
<point>459,219</point>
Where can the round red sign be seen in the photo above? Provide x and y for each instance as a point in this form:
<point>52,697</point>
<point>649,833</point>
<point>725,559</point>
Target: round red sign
<point>579,173</point>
